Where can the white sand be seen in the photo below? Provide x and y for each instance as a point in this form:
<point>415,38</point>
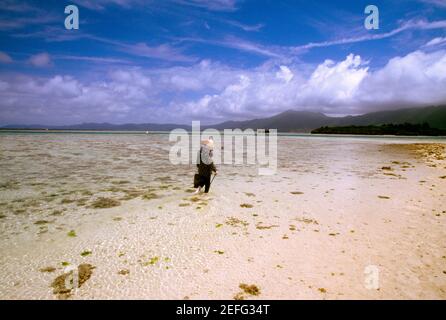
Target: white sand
<point>313,245</point>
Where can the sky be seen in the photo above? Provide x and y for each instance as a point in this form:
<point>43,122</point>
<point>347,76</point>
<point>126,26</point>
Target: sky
<point>174,61</point>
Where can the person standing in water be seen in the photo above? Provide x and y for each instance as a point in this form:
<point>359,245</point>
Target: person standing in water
<point>205,166</point>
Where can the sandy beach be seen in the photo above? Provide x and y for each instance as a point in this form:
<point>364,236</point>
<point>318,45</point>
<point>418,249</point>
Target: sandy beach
<point>114,205</point>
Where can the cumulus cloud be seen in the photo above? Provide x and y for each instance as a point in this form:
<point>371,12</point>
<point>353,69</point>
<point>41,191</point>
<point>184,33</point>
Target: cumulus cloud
<point>344,87</point>
<point>205,76</point>
<point>285,74</point>
<point>213,92</point>
<point>334,84</point>
<point>416,79</point>
<point>40,60</point>
<point>64,99</point>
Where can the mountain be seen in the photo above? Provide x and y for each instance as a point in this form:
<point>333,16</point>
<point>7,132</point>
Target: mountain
<point>288,121</point>
<point>304,121</point>
<point>434,116</point>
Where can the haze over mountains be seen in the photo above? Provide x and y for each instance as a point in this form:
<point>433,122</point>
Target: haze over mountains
<point>288,121</point>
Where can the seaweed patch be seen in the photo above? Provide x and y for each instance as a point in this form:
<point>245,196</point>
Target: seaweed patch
<point>59,284</point>
<point>104,203</point>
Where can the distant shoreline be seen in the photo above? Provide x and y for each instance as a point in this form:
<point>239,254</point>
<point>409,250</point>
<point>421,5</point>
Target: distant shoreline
<point>404,129</point>
<point>290,134</point>
<point>291,121</point>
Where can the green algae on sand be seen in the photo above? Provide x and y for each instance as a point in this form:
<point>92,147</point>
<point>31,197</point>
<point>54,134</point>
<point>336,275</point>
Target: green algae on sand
<point>67,201</point>
<point>307,220</point>
<point>149,196</point>
<point>246,205</point>
<point>40,222</point>
<point>239,296</point>
<point>151,262</point>
<point>124,272</point>
<point>86,253</point>
<point>71,233</point>
<point>105,203</point>
<point>236,222</point>
<point>47,269</point>
<point>260,226</point>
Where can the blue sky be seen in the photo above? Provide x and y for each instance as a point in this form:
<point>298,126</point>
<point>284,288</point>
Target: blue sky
<point>183,60</point>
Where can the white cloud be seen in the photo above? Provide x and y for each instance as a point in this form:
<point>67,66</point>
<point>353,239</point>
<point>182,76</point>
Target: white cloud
<point>335,83</point>
<point>284,52</point>
<point>285,74</point>
<point>212,5</point>
<point>406,26</point>
<point>215,92</point>
<point>24,15</point>
<point>418,78</point>
<point>64,99</point>
<point>344,87</point>
<point>5,58</point>
<point>17,6</point>
<point>240,44</point>
<point>40,60</point>
<point>92,59</point>
<point>102,4</point>
<point>162,52</point>
<point>244,27</point>
<point>438,3</point>
<point>436,41</point>
<point>204,76</point>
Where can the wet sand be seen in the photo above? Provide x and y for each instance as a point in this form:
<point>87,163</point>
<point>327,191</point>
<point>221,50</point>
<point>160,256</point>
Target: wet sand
<point>114,209</point>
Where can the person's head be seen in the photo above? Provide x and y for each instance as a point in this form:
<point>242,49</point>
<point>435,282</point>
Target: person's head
<point>209,143</point>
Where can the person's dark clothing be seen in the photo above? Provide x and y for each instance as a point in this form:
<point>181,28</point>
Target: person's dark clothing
<point>205,169</point>
<point>205,181</point>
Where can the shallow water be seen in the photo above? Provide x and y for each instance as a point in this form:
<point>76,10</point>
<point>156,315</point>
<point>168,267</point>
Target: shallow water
<point>50,184</point>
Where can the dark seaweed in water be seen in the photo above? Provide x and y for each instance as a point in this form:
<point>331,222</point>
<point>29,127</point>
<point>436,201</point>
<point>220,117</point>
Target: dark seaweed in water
<point>104,203</point>
<point>250,289</point>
